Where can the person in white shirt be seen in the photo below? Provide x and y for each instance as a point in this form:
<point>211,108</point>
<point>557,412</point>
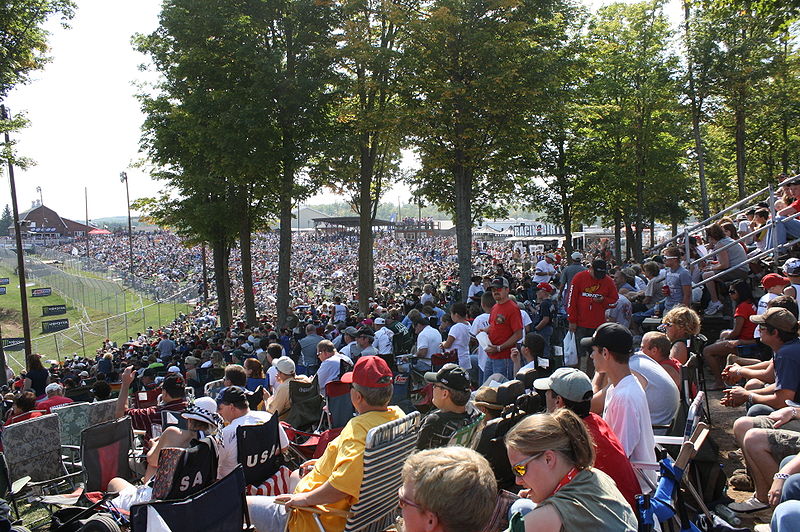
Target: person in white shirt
<point>383,337</point>
<point>475,290</point>
<point>545,269</point>
<point>428,296</point>
<point>458,336</point>
<point>625,410</point>
<point>349,342</point>
<point>331,367</point>
<point>233,408</point>
<point>339,310</point>
<point>482,322</point>
<point>429,341</point>
<point>773,285</point>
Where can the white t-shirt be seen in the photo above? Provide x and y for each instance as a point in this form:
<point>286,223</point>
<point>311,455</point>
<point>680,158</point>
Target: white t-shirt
<point>425,298</point>
<point>621,311</point>
<point>628,415</point>
<point>329,370</point>
<point>474,290</point>
<point>227,451</point>
<point>431,339</point>
<point>460,332</point>
<point>547,272</point>
<point>762,308</point>
<point>662,394</point>
<point>383,341</point>
<point>272,374</point>
<point>339,313</point>
<point>481,322</point>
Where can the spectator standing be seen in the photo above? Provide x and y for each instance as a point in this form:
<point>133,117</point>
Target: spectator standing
<point>591,293</point>
<point>505,329</point>
<point>544,269</point>
<point>307,360</point>
<point>458,336</point>
<point>677,287</point>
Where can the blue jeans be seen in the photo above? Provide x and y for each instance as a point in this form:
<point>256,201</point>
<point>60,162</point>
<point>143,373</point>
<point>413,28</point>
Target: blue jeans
<point>789,228</point>
<point>503,366</point>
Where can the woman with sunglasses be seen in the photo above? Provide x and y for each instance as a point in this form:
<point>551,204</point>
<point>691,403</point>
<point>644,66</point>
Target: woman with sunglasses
<point>741,334</point>
<point>680,324</point>
<point>552,456</point>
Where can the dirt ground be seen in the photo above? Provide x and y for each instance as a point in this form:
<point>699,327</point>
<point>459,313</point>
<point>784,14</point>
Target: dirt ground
<point>722,419</point>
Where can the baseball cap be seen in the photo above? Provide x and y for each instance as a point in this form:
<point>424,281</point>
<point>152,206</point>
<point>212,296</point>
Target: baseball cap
<point>777,317</point>
<point>192,360</point>
<point>352,331</point>
<point>174,369</point>
<point>570,383</point>
<point>83,374</point>
<point>545,286</point>
<point>773,279</point>
<point>52,388</point>
<point>451,375</point>
<point>365,331</point>
<point>380,321</point>
<point>613,336</point>
<point>500,282</point>
<point>792,267</point>
<point>577,256</point>
<point>231,395</point>
<point>551,256</point>
<point>369,371</point>
<point>600,268</point>
<point>285,365</point>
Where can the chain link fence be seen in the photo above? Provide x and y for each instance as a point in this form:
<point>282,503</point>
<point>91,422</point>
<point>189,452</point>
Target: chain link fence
<point>105,306</point>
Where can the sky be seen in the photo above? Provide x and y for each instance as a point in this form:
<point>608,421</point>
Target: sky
<point>85,120</point>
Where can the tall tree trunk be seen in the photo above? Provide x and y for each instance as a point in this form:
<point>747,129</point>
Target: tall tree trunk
<point>630,237</point>
<point>674,226</point>
<point>696,111</point>
<point>652,232</point>
<point>221,252</point>
<point>463,185</point>
<point>245,234</point>
<point>285,246</point>
<point>617,235</point>
<point>566,204</point>
<point>741,163</point>
<point>366,238</point>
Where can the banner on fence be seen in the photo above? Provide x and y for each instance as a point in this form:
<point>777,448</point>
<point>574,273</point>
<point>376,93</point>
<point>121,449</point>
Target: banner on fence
<point>55,325</point>
<point>4,280</point>
<point>54,310</point>
<point>2,290</point>
<point>13,344</point>
<point>41,292</point>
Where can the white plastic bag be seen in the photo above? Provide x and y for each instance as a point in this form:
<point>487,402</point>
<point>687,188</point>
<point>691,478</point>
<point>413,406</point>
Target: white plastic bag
<point>570,350</point>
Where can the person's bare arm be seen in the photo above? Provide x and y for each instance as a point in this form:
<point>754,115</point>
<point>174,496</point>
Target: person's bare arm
<point>543,519</point>
<point>687,295</point>
<point>122,399</point>
<point>325,494</point>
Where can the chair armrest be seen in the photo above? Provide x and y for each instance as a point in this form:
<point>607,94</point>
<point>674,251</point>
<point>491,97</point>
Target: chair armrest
<point>319,510</point>
<point>72,447</point>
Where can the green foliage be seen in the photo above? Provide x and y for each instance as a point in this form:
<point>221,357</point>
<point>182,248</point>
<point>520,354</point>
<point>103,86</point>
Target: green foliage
<point>6,220</point>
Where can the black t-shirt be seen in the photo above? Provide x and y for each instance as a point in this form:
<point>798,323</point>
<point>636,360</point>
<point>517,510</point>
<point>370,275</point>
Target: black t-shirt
<point>38,379</point>
<point>438,427</point>
<point>493,448</point>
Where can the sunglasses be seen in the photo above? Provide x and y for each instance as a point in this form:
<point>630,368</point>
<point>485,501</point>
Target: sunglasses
<point>402,501</point>
<point>521,468</point>
<point>732,291</point>
<point>667,324</point>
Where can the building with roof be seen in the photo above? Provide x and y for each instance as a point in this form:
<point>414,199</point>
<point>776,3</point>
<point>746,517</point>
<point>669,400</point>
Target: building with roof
<point>42,222</point>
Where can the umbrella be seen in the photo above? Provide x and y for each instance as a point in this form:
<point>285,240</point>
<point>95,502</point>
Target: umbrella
<point>99,232</point>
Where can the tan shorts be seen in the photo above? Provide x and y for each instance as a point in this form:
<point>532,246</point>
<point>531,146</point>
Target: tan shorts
<point>784,441</point>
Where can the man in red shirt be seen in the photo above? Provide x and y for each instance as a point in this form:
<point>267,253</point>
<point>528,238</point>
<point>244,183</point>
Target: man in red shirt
<point>590,294</point>
<point>505,329</point>
<point>571,388</point>
<point>173,398</point>
<point>55,397</point>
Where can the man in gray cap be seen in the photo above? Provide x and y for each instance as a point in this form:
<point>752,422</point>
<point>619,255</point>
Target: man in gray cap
<point>349,346</point>
<point>571,388</point>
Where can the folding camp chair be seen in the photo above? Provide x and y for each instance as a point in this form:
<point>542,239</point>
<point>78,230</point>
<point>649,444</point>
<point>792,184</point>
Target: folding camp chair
<point>468,435</point>
<point>171,418</point>
<point>32,448</point>
<point>182,472</point>
<point>387,447</point>
<point>72,419</point>
<point>105,453</point>
<point>258,450</point>
<point>306,404</point>
<point>102,411</point>
<point>221,507</point>
<point>338,407</point>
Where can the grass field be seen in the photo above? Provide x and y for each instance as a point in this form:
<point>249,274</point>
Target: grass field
<point>117,318</point>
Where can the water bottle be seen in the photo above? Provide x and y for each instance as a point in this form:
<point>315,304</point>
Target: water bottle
<point>727,514</point>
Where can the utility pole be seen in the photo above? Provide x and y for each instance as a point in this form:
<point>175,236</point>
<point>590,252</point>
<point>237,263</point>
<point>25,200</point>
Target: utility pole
<point>23,296</point>
<point>86,202</point>
<point>123,176</point>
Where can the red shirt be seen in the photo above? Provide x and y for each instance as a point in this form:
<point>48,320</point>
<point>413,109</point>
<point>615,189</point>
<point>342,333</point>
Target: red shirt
<point>504,320</point>
<point>610,457</point>
<point>745,310</point>
<point>47,404</point>
<point>584,310</point>
<point>23,417</point>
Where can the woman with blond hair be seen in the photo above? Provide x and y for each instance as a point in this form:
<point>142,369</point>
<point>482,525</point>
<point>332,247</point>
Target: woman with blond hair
<point>681,324</point>
<point>552,456</point>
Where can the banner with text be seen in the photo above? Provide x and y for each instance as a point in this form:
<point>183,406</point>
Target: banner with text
<point>55,325</point>
<point>4,280</point>
<point>41,292</point>
<point>54,310</point>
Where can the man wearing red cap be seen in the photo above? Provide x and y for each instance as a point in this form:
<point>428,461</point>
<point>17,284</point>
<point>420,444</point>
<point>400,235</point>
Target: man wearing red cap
<point>334,481</point>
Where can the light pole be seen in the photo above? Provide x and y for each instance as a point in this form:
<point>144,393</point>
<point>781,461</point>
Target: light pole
<point>26,326</point>
<point>123,177</point>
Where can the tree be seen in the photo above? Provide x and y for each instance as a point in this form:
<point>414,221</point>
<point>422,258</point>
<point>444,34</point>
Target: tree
<point>475,70</point>
<point>6,220</point>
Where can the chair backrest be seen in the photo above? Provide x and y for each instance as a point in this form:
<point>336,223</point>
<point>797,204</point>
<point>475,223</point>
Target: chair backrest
<point>387,447</point>
<point>102,411</point>
<point>146,398</point>
<point>340,406</point>
<point>33,448</point>
<point>72,419</point>
<point>220,507</point>
<point>258,449</point>
<point>252,383</point>
<point>212,388</point>
<point>306,403</point>
<point>468,435</point>
<point>695,415</point>
<point>104,452</point>
<point>184,472</point>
